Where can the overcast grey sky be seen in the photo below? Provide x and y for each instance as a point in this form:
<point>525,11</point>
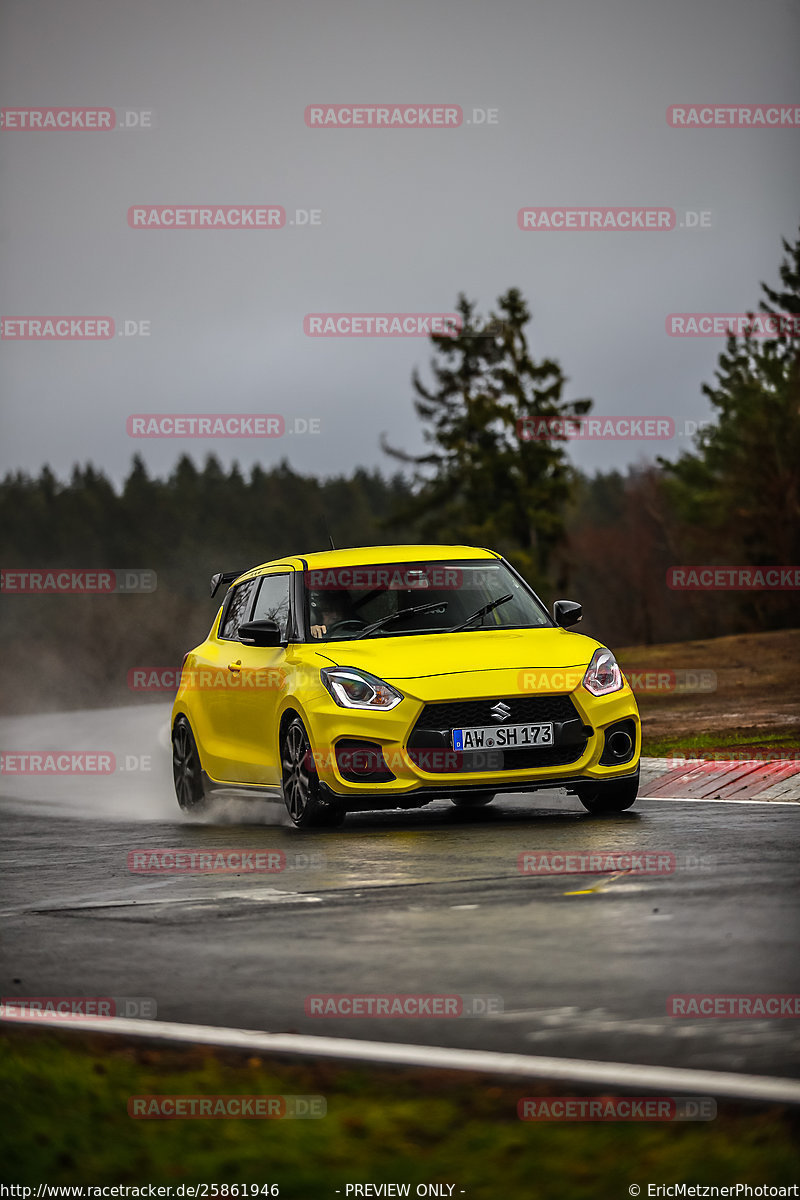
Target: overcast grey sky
<point>408,217</point>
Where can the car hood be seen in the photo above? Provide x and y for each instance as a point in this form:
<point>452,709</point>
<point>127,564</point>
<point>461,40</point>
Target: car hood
<point>440,656</point>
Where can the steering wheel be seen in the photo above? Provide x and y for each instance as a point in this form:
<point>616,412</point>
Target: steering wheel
<point>348,623</point>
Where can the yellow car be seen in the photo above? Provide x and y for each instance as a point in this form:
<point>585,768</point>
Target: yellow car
<point>390,676</point>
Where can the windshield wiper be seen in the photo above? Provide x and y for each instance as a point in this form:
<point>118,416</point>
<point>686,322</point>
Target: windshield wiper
<point>401,612</point>
<point>487,608</point>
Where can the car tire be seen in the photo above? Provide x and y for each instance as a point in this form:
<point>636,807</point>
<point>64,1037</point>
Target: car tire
<point>300,783</point>
<point>610,797</point>
<point>475,800</point>
<point>187,771</point>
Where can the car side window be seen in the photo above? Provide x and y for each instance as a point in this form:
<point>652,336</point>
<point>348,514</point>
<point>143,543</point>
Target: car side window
<point>238,608</point>
<point>272,603</point>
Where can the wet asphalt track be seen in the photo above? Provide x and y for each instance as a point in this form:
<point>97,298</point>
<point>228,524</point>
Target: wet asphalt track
<point>420,902</point>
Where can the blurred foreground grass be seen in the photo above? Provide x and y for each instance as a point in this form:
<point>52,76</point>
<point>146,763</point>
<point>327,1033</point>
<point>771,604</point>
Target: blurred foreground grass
<point>65,1120</point>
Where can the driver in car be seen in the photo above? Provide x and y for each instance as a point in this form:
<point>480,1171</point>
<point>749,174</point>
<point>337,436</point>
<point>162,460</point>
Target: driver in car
<point>331,607</point>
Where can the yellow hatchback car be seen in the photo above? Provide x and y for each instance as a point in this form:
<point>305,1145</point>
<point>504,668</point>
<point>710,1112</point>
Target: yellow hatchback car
<point>391,676</point>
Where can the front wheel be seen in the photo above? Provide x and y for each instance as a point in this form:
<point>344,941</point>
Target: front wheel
<point>301,790</point>
<point>187,773</point>
<point>473,800</point>
<point>615,797</point>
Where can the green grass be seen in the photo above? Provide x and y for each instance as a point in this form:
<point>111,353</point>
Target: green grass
<point>766,742</point>
<point>65,1121</point>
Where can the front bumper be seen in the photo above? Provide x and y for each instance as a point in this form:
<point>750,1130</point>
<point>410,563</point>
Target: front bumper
<point>574,762</point>
<point>425,795</point>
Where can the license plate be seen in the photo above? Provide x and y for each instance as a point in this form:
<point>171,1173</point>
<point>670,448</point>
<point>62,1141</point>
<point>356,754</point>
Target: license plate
<point>482,737</point>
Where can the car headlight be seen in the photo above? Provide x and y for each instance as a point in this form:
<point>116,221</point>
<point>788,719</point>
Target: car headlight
<point>603,674</point>
<point>352,688</point>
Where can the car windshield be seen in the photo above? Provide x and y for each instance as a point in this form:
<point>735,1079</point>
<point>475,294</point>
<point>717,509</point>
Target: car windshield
<point>348,602</point>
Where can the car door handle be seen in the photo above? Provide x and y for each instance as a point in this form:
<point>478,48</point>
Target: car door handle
<point>235,666</point>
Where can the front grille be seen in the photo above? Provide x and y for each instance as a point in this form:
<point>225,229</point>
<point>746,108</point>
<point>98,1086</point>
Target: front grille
<point>440,761</point>
<point>429,743</point>
<point>547,756</point>
<point>525,710</point>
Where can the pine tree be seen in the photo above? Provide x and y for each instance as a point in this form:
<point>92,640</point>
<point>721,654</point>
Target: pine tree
<point>485,479</point>
<point>741,486</point>
<point>537,478</point>
<point>464,429</point>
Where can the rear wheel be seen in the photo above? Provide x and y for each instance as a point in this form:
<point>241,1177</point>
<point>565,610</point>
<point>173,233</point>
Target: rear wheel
<point>301,790</point>
<point>602,798</point>
<point>187,773</point>
<point>474,800</point>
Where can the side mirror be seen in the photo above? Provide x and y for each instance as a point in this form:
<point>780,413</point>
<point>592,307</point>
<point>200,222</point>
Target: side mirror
<point>566,613</point>
<point>260,633</point>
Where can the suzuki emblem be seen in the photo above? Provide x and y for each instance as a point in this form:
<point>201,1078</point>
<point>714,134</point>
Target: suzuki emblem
<point>500,711</point>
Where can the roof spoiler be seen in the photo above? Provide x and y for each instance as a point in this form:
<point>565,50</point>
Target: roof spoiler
<point>223,578</point>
